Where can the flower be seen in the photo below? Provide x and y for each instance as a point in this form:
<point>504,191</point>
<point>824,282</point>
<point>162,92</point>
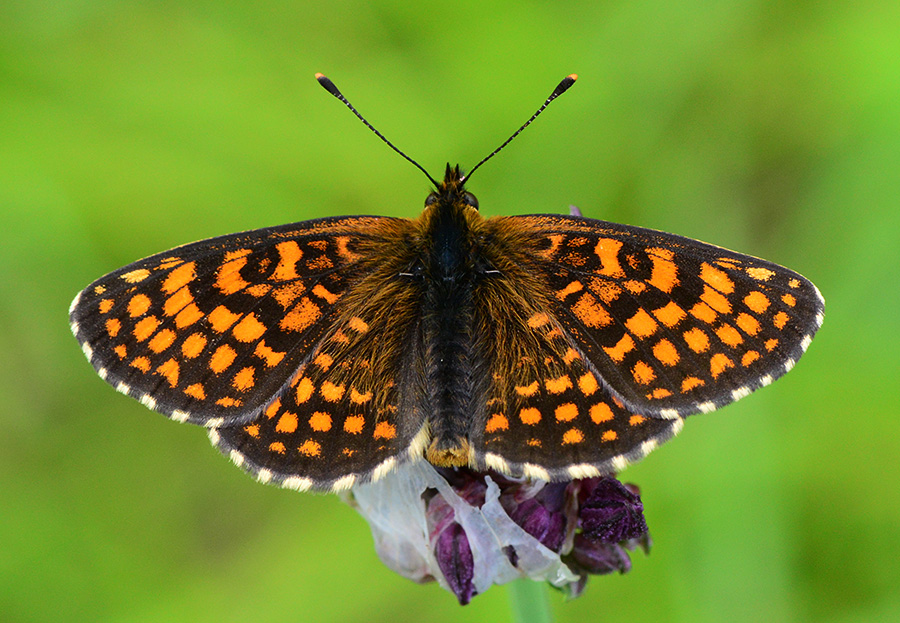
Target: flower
<point>468,530</point>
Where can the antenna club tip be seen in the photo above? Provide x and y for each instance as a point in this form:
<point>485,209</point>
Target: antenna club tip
<point>319,76</point>
<point>572,77</point>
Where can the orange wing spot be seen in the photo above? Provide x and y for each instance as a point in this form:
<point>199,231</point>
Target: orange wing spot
<point>666,352</point>
<point>141,363</point>
<point>228,275</point>
<point>573,435</point>
<point>113,326</point>
<point>555,242</point>
<point>249,329</point>
<point>559,385</point>
<point>623,347</point>
<point>168,263</point>
<point>289,254</point>
<point>179,278</point>
<point>359,399</point>
<point>716,278</point>
<point>635,287</point>
<point>348,452</point>
<point>670,314</point>
<point>340,337</point>
<point>780,320</point>
<point>537,320</point>
<point>343,249</point>
<point>277,446</point>
<point>188,316</point>
<point>658,393</point>
<point>287,423</point>
<point>319,245</point>
<point>729,335</point>
<point>196,391</point>
<point>587,383</point>
<point>331,392</point>
<point>704,312</point>
<point>244,379</point>
<point>566,412</point>
<point>643,373</point>
<point>534,443</point>
<point>591,312</point>
<point>718,363</point>
<point>574,259</point>
<point>178,301</point>
<point>496,422</point>
<point>323,293</point>
<point>757,302</point>
<point>641,324</point>
<point>319,264</point>
<point>324,361</point>
<point>259,290</point>
<point>310,448</point>
<point>170,370</point>
<point>145,328</point>
<point>162,340</point>
<point>747,323</point>
<point>528,390</point>
<point>749,357</point>
<point>636,420</point>
<point>286,295</point>
<point>271,357</point>
<point>608,291</point>
<point>530,416</point>
<point>570,356</point>
<point>105,306</point>
<point>607,250</point>
<point>320,422</point>
<point>120,351</point>
<point>716,300</point>
<point>230,256</point>
<point>383,430</point>
<point>696,339</point>
<point>136,276</point>
<point>794,283</point>
<point>354,424</point>
<point>664,274</point>
<point>600,412</point>
<point>609,435</point>
<point>690,383</point>
<point>579,241</point>
<point>305,389</point>
<point>771,344</point>
<point>358,324</point>
<point>273,408</point>
<point>760,274</point>
<point>554,333</point>
<point>99,289</point>
<point>571,288</point>
<point>223,357</point>
<point>221,319</point>
<point>193,345</point>
<point>138,305</point>
<point>302,316</point>
<point>229,402</point>
<point>252,430</point>
<point>789,299</point>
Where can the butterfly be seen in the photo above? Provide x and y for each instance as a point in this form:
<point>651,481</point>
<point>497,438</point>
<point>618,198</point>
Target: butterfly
<point>325,353</point>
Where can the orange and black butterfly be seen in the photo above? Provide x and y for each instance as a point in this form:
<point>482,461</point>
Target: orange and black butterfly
<point>324,353</point>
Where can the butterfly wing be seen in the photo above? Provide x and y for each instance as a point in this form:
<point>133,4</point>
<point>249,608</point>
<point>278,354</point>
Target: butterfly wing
<point>617,333</point>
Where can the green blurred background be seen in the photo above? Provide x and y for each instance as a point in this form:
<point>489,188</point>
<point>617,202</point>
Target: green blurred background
<point>126,128</point>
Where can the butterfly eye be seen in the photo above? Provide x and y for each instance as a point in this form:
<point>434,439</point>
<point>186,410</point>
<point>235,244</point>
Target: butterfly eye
<point>470,200</point>
<point>430,199</point>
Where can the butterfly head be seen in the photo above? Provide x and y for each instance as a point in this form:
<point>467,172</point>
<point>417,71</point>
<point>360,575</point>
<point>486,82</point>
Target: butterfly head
<point>452,192</point>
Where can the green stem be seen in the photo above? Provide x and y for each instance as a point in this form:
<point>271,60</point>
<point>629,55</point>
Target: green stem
<point>529,602</point>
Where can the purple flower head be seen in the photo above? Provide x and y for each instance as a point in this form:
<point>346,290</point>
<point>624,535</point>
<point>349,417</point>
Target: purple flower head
<point>612,513</point>
<point>468,530</point>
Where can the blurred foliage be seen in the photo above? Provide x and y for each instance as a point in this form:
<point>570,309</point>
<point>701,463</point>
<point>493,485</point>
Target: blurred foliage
<point>126,128</point>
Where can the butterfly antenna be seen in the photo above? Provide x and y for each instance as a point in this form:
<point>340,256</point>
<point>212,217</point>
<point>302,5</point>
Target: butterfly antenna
<point>561,88</point>
<point>331,88</point>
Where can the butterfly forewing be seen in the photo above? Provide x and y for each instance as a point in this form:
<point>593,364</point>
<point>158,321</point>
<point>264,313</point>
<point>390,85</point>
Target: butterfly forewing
<point>213,332</point>
<point>669,325</point>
